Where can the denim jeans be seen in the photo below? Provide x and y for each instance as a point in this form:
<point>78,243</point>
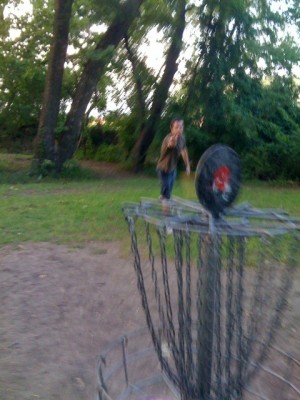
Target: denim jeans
<point>166,182</point>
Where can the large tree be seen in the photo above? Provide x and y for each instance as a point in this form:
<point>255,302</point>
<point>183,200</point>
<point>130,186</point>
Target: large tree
<point>161,90</point>
<point>45,140</point>
<point>94,68</point>
<point>24,40</point>
<point>242,44</point>
<point>56,144</point>
<point>244,47</point>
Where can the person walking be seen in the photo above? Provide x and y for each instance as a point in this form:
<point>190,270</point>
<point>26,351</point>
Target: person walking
<point>173,146</point>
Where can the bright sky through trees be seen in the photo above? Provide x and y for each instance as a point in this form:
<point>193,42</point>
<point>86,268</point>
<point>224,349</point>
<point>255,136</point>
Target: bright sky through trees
<point>153,48</point>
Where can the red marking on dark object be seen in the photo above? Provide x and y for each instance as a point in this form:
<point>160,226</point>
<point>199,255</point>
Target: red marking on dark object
<point>221,177</point>
<point>217,178</point>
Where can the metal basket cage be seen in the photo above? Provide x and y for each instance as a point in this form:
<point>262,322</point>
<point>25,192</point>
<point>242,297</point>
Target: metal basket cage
<point>213,293</point>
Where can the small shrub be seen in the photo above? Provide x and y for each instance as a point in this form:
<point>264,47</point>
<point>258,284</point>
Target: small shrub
<point>43,169</point>
<point>109,153</point>
<point>71,169</point>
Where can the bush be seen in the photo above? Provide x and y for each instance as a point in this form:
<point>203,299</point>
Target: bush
<point>126,127</point>
<point>71,169</point>
<point>93,137</point>
<point>108,152</point>
<point>43,169</point>
<point>256,165</point>
<point>198,141</point>
<point>276,160</point>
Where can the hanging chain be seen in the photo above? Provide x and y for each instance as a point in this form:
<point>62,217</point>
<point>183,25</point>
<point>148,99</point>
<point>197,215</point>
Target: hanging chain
<point>218,304</point>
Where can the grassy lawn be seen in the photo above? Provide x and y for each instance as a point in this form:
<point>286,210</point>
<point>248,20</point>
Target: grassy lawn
<point>89,209</point>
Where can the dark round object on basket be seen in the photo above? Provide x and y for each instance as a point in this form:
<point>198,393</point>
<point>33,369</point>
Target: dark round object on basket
<point>217,178</point>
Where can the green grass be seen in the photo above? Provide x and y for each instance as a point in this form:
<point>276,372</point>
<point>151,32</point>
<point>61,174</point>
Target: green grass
<point>68,211</point>
<point>74,212</point>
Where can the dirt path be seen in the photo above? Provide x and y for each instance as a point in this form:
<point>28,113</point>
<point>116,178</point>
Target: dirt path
<point>105,169</point>
<point>60,307</point>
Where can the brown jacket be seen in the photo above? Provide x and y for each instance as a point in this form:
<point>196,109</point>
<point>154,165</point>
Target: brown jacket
<point>169,155</point>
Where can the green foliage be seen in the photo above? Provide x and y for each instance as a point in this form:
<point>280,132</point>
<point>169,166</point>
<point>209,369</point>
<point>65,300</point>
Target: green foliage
<point>101,55</point>
<point>21,94</point>
<point>108,153</point>
<point>96,139</point>
<point>22,69</point>
<point>272,148</point>
<point>23,58</point>
<point>41,170</point>
<point>73,171</point>
<point>126,128</point>
<point>239,77</point>
<point>262,123</point>
<point>251,106</point>
<point>111,141</point>
<point>271,161</point>
<point>198,142</point>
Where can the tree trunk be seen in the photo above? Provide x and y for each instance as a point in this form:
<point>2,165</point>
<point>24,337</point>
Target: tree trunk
<point>141,102</point>
<point>91,74</point>
<point>45,140</point>
<point>161,93</point>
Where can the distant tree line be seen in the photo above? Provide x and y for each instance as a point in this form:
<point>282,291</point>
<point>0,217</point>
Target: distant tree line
<point>59,64</point>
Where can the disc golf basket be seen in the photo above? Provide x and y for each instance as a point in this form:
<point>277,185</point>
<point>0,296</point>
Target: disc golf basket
<point>213,281</point>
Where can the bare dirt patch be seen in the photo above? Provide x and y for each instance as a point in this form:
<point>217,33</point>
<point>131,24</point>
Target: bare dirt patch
<point>61,306</point>
<point>105,169</point>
